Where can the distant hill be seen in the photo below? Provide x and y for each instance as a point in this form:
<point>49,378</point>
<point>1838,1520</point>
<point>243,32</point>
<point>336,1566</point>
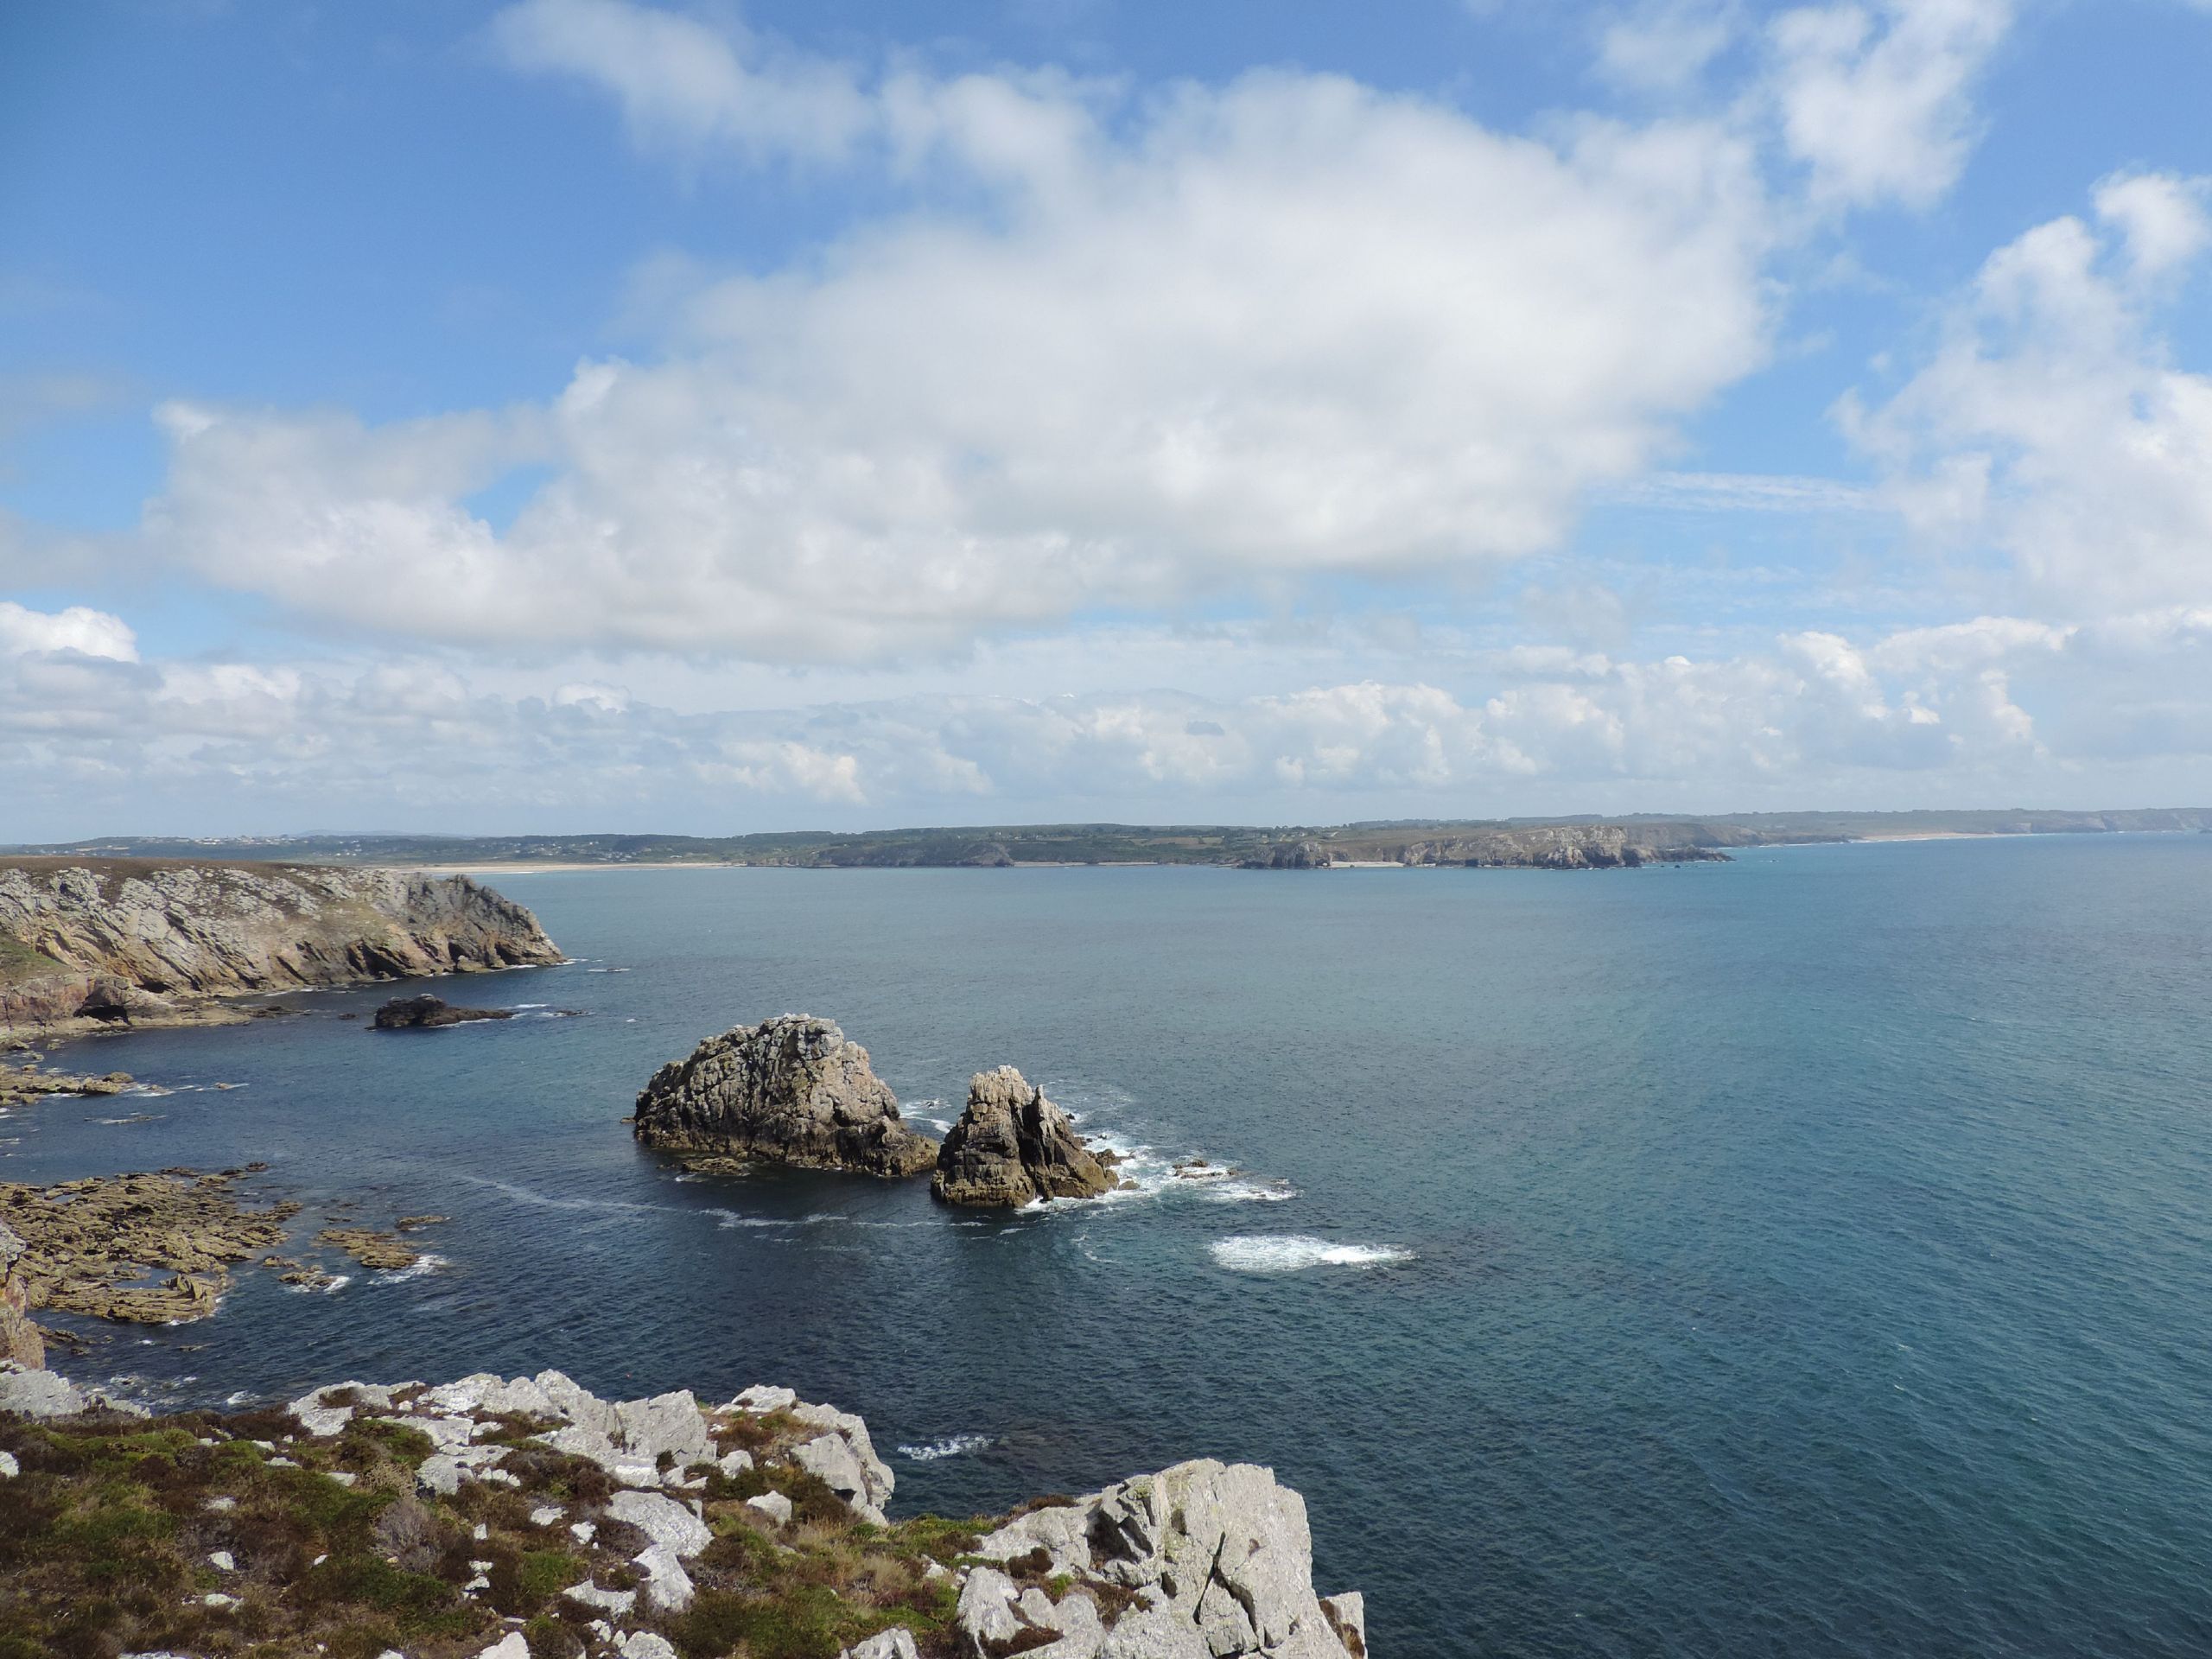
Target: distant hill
<point>1559,842</point>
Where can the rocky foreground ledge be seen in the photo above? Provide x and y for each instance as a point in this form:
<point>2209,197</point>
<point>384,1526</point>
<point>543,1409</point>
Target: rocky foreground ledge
<point>525,1518</point>
<point>89,944</point>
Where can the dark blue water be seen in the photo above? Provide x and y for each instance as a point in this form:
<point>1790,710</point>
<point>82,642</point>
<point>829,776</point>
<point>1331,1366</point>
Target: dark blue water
<point>1802,1256</point>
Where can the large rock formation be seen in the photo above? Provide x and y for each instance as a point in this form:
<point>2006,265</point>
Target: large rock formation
<point>794,1090</point>
<point>1012,1145</point>
<point>92,942</point>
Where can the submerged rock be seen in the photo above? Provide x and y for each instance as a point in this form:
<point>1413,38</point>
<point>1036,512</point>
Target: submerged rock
<point>426,1013</point>
<point>1012,1145</point>
<point>793,1090</point>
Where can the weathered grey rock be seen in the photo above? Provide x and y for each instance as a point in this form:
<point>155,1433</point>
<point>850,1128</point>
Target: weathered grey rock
<point>40,1394</point>
<point>589,1594</point>
<point>763,1399</point>
<point>1012,1145</point>
<point>1347,1616</point>
<point>844,1458</point>
<point>793,1090</point>
<point>645,1645</point>
<point>667,1587</point>
<point>897,1642</point>
<point>773,1507</point>
<point>668,1423</point>
<point>998,1616</point>
<point>663,1520</point>
<point>9,1467</point>
<point>510,1646</point>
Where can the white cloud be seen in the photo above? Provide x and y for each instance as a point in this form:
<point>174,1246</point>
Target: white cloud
<point>683,84</point>
<point>2111,709</point>
<point>2051,424</point>
<point>1224,340</point>
<point>1875,98</point>
<point>92,634</point>
<point>1665,45</point>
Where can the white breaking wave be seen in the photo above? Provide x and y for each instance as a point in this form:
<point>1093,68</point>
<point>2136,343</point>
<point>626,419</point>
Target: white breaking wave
<point>423,1264</point>
<point>1235,1191</point>
<point>1287,1253</point>
<point>951,1446</point>
<point>336,1282</point>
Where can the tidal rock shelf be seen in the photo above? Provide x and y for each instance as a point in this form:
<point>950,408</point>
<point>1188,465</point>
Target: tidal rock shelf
<point>517,1518</point>
<point>90,945</point>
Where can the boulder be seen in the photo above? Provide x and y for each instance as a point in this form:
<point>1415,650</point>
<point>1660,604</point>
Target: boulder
<point>793,1090</point>
<point>666,1523</point>
<point>1011,1146</point>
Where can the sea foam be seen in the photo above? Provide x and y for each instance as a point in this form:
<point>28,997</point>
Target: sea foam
<point>1287,1253</point>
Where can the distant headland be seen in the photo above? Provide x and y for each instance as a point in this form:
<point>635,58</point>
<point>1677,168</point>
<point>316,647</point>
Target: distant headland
<point>1529,842</point>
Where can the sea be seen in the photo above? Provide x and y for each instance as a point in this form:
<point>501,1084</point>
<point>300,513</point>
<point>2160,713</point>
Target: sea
<point>1805,1256</point>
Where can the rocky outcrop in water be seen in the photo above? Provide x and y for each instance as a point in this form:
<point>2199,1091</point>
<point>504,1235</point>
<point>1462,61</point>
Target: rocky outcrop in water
<point>794,1090</point>
<point>87,944</point>
<point>428,1013</point>
<point>526,1515</point>
<point>21,1085</point>
<point>1011,1146</point>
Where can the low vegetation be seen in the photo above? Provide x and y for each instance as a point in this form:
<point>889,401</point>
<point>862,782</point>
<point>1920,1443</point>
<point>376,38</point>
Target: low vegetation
<point>238,1535</point>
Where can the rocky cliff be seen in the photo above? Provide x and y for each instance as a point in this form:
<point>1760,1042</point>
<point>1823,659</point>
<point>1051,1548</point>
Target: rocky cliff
<point>794,1090</point>
<point>508,1518</point>
<point>1012,1145</point>
<point>92,943</point>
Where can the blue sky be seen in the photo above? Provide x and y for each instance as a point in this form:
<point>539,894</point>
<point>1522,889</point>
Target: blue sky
<point>581,414</point>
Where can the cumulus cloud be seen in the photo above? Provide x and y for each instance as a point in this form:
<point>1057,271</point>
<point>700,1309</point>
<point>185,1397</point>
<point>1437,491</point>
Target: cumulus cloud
<point>2052,423</point>
<point>1876,100</point>
<point>2053,712</point>
<point>79,629</point>
<point>682,84</point>
<point>1219,339</point>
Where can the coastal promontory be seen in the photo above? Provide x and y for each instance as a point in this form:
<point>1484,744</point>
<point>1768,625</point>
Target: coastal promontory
<point>526,1517</point>
<point>1012,1145</point>
<point>97,944</point>
<point>793,1090</point>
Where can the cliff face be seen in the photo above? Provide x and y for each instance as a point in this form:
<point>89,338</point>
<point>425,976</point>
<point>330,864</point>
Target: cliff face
<point>105,942</point>
<point>794,1090</point>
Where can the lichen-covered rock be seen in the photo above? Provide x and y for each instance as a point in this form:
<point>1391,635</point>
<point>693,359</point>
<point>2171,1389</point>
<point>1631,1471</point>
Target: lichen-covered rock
<point>87,943</point>
<point>794,1090</point>
<point>1219,1553</point>
<point>1011,1146</point>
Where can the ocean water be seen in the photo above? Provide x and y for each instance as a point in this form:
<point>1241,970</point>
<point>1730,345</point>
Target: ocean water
<point>1809,1255</point>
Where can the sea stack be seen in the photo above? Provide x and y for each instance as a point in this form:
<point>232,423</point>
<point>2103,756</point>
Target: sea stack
<point>794,1090</point>
<point>1012,1145</point>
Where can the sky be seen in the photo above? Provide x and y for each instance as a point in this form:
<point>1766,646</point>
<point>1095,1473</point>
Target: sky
<point>590,415</point>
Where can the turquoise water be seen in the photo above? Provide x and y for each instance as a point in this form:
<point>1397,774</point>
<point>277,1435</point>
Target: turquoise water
<point>1807,1255</point>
